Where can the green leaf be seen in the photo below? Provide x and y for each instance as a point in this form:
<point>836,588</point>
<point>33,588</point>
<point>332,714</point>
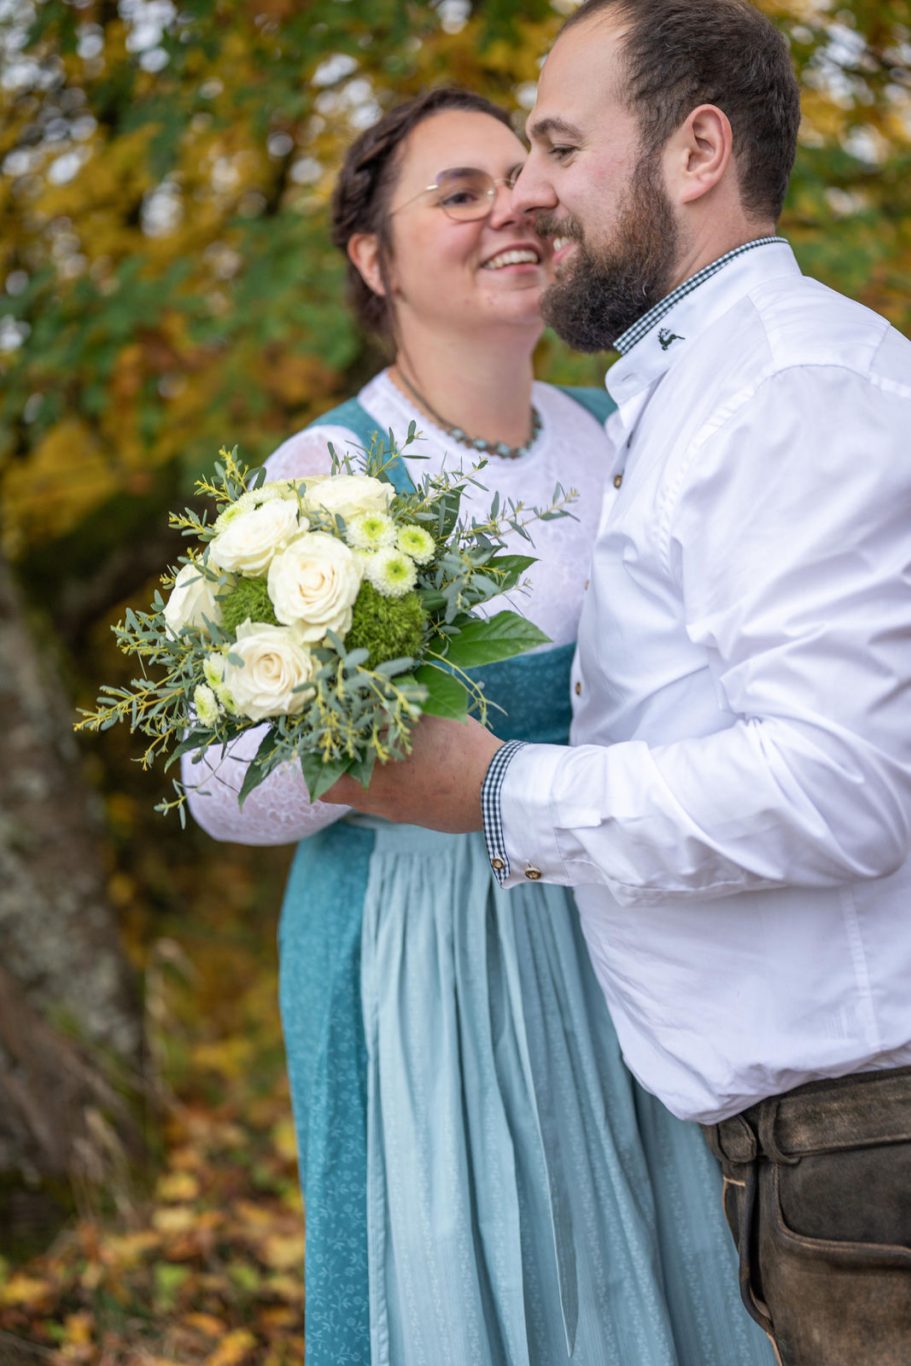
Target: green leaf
<point>446,696</point>
<point>258,769</point>
<point>487,642</point>
<point>320,776</point>
<point>362,769</point>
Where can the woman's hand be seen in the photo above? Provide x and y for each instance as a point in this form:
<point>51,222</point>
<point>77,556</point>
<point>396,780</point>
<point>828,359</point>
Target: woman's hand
<point>438,786</point>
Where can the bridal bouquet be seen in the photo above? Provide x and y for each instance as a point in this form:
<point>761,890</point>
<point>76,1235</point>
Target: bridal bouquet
<point>335,609</point>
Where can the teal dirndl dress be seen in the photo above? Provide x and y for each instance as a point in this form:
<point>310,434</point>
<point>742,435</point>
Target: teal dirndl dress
<point>484,1182</point>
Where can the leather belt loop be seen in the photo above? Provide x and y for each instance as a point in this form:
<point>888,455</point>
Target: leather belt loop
<point>768,1138</point>
<point>737,1141</point>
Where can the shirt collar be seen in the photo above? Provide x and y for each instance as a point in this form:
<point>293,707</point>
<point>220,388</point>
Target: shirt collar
<point>647,351</point>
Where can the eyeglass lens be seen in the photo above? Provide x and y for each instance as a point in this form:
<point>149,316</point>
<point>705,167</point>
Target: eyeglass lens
<point>465,193</point>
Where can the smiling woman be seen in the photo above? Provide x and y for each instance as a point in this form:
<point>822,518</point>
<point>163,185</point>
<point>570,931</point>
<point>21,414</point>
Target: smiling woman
<point>483,1181</point>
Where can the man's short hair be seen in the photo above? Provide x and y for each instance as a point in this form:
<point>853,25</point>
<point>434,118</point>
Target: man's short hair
<point>683,53</point>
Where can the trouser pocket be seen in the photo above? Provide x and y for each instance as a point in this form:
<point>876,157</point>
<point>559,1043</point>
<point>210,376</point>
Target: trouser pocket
<point>834,1253</point>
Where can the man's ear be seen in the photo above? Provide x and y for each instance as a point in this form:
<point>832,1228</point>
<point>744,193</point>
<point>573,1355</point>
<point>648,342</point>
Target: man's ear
<point>699,154</point>
<point>364,255</point>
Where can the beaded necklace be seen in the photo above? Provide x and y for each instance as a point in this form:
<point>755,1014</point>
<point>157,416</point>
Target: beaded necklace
<point>477,443</point>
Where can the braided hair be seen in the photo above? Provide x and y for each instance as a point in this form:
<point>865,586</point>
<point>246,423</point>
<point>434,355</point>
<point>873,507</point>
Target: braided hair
<point>367,180</point>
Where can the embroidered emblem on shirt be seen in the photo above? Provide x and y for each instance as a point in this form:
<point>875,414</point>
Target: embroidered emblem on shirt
<point>666,336</point>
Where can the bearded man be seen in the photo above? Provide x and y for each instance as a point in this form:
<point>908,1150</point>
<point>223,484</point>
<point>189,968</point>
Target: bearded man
<point>734,810</point>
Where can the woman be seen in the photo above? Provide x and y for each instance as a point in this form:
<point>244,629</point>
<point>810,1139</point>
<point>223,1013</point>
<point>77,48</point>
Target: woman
<point>472,1150</point>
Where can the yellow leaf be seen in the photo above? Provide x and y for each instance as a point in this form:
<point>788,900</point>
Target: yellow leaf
<point>282,1252</point>
<point>25,1290</point>
<point>234,1350</point>
<point>178,1186</point>
<point>209,1324</point>
<point>177,1219</point>
<point>285,1140</point>
<point>78,1329</point>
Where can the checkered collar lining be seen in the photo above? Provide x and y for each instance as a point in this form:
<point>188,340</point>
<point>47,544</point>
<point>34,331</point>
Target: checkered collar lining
<point>650,319</point>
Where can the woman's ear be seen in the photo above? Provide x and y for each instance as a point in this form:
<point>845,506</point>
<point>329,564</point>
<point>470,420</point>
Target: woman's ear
<point>364,255</point>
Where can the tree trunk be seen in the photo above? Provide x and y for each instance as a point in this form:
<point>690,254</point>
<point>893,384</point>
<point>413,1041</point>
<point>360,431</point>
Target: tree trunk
<point>66,995</point>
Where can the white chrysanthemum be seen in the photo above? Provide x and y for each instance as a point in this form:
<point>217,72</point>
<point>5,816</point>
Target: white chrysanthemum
<point>416,542</point>
<point>391,573</point>
<point>313,585</point>
<point>370,531</point>
<point>206,704</point>
<point>271,673</point>
<point>248,543</point>
<point>192,601</point>
<point>290,489</point>
<point>349,495</point>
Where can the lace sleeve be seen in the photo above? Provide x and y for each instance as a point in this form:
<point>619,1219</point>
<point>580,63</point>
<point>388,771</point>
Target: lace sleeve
<point>279,811</point>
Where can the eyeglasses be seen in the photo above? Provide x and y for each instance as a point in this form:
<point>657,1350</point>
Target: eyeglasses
<point>464,193</point>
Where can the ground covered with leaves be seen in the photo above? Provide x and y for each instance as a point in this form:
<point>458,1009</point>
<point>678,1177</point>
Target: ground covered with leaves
<point>198,1259</point>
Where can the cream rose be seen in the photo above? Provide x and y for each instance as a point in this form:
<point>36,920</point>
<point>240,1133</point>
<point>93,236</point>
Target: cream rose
<point>313,584</point>
<point>349,495</point>
<point>273,664</point>
<point>192,600</point>
<point>248,542</point>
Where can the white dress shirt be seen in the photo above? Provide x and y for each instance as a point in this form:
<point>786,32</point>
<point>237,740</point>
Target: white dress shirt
<point>735,809</point>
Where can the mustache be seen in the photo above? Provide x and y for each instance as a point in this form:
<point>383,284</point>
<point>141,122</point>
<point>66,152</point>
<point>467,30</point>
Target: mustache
<point>549,225</point>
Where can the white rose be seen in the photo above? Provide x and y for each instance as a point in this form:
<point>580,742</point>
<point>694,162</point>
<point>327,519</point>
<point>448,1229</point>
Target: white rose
<point>273,664</point>
<point>313,584</point>
<point>348,495</point>
<point>192,600</point>
<point>248,542</point>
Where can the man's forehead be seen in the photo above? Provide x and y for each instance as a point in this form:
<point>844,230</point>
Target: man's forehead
<point>580,76</point>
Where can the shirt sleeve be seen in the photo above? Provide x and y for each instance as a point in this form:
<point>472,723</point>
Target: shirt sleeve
<point>279,811</point>
<point>786,535</point>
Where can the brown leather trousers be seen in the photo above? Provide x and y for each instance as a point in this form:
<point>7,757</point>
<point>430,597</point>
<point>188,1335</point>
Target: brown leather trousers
<point>817,1191</point>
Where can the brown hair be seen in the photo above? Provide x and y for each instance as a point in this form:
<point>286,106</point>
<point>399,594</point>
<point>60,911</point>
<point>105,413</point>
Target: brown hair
<point>360,201</point>
<point>683,53</point>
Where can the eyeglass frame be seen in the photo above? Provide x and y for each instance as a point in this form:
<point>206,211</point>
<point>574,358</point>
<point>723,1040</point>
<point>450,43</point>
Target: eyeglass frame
<point>508,180</point>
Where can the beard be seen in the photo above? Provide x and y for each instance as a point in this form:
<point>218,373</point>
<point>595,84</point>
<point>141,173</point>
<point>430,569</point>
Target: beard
<point>605,290</point>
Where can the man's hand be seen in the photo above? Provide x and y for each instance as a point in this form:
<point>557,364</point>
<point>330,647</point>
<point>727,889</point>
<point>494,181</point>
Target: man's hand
<point>437,786</point>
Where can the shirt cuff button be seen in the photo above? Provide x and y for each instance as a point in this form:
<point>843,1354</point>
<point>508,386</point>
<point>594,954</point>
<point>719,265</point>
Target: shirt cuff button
<point>533,874</point>
<point>497,865</point>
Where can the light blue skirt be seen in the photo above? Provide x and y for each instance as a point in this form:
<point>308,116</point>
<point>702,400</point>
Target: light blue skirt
<point>527,1203</point>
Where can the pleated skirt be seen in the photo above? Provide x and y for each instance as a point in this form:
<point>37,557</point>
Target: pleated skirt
<point>484,1182</point>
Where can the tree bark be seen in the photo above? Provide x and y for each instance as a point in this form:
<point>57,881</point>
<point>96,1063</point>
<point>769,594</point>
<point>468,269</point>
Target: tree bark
<point>66,995</point>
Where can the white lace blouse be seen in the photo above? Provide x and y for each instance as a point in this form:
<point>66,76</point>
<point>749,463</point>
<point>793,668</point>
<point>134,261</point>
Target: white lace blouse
<point>571,449</point>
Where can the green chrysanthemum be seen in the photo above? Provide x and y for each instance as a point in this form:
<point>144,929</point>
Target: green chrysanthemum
<point>247,600</point>
<point>416,542</point>
<point>391,572</point>
<point>390,628</point>
<point>370,531</point>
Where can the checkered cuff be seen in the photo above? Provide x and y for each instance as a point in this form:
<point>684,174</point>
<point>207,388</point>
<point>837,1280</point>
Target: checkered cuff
<point>490,808</point>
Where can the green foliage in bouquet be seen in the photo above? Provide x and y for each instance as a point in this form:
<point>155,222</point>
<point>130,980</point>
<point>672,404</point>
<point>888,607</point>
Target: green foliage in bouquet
<point>335,609</point>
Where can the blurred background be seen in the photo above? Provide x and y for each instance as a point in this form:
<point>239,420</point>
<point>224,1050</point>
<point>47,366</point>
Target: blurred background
<point>167,287</point>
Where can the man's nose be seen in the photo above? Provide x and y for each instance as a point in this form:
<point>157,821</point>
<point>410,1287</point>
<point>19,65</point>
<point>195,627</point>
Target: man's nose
<point>531,190</point>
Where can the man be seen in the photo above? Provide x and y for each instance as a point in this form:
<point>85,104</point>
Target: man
<point>735,809</point>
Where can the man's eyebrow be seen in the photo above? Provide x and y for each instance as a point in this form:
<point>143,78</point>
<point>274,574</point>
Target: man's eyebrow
<point>543,128</point>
